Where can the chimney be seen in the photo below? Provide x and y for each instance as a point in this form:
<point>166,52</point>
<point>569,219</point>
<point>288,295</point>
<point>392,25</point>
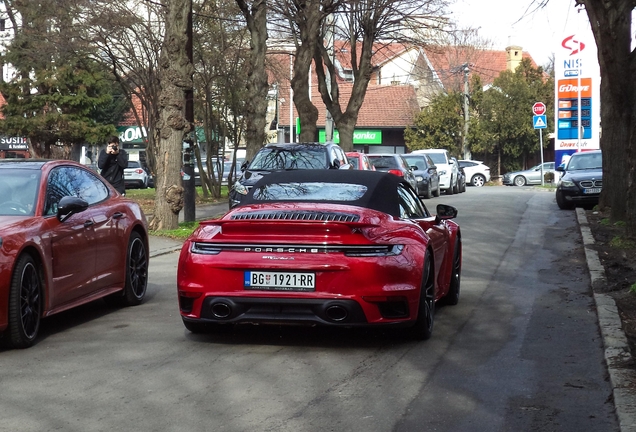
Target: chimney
<point>514,55</point>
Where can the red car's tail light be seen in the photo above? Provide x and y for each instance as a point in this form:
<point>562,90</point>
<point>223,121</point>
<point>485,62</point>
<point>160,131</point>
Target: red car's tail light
<point>205,248</point>
<point>374,251</point>
<point>396,172</point>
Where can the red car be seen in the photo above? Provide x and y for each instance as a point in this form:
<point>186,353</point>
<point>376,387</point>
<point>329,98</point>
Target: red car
<point>360,161</point>
<point>331,247</point>
<point>66,238</point>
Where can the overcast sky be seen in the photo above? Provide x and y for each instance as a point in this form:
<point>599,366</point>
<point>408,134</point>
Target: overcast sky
<point>514,22</point>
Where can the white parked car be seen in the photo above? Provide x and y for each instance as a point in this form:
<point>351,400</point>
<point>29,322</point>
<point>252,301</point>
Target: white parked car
<point>477,174</point>
<point>135,175</point>
<point>447,169</point>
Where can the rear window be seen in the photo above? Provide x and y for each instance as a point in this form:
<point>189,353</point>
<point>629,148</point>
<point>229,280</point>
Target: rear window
<point>315,191</point>
<point>384,162</point>
<point>133,164</point>
<point>438,158</point>
<point>278,159</point>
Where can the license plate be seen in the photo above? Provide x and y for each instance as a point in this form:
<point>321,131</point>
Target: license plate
<point>279,281</point>
<point>592,191</point>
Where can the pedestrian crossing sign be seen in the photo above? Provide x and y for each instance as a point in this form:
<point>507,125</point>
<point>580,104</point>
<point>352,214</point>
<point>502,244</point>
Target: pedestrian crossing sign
<point>539,122</point>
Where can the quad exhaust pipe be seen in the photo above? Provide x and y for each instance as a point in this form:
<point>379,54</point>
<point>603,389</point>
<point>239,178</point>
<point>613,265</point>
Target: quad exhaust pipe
<point>336,313</point>
<point>221,310</point>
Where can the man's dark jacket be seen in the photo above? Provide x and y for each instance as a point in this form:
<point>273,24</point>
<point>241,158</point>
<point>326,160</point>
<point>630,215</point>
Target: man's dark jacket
<point>112,168</point>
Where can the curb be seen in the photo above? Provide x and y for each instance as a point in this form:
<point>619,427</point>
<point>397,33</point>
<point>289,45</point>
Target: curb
<point>617,354</point>
<point>164,251</point>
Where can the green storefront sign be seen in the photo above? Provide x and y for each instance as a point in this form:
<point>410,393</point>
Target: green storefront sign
<point>360,136</point>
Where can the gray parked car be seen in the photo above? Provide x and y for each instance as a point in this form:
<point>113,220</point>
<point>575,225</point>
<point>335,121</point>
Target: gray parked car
<point>425,173</point>
<point>528,177</point>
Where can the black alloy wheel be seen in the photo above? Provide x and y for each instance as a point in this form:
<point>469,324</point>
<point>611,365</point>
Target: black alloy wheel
<point>452,298</point>
<point>25,303</point>
<point>136,270</point>
<point>423,328</point>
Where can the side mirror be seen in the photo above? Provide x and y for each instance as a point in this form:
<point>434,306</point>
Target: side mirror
<point>244,165</point>
<point>446,212</point>
<point>335,164</point>
<point>561,168</point>
<point>68,206</point>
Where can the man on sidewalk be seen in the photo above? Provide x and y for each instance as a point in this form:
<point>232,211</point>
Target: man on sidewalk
<point>112,163</point>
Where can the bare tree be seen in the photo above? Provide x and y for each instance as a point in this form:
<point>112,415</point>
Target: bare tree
<point>176,72</point>
<point>305,20</point>
<point>362,24</point>
<point>221,57</point>
<point>255,14</point>
<point>129,36</point>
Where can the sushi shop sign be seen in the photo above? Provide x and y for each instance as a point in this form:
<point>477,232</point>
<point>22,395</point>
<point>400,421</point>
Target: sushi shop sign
<point>13,143</point>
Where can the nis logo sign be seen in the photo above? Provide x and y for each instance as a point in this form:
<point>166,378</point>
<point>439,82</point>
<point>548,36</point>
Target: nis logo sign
<point>572,66</point>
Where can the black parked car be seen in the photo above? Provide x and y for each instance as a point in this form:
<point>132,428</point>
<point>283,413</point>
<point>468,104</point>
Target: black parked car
<point>425,173</point>
<point>288,156</point>
<point>395,164</point>
<point>582,180</point>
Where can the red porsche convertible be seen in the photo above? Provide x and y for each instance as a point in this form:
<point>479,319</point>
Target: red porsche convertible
<point>66,238</point>
<point>329,247</point>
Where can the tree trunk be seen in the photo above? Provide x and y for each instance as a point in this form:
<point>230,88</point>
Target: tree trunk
<point>257,87</point>
<point>362,75</point>
<point>611,26</point>
<point>308,19</point>
<point>175,80</point>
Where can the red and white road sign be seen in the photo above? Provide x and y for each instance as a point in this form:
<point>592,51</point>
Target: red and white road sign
<point>538,108</point>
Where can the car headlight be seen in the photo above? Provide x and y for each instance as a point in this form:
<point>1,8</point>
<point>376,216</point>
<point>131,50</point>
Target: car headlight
<point>442,172</point>
<point>419,178</point>
<point>567,183</point>
<point>239,188</point>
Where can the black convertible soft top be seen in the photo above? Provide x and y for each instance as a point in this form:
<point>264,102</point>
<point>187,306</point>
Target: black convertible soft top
<point>381,187</point>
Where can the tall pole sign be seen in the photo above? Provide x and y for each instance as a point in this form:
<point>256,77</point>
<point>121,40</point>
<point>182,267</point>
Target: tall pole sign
<point>539,122</point>
<point>577,92</point>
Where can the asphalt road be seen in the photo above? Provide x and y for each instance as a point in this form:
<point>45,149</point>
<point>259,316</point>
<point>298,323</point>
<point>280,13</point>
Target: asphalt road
<point>521,352</point>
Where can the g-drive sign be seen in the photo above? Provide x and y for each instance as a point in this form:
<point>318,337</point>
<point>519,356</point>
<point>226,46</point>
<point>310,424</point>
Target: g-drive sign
<point>538,108</point>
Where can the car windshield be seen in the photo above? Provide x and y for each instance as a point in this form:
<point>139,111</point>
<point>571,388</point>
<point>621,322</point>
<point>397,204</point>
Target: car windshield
<point>299,158</point>
<point>383,162</point>
<point>416,161</point>
<point>315,191</point>
<point>438,158</point>
<point>583,161</point>
<point>18,191</point>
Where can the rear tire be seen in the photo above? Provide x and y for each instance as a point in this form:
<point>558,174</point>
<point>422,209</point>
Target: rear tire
<point>437,192</point>
<point>25,303</point>
<point>520,181</point>
<point>423,328</point>
<point>136,274</point>
<point>478,180</point>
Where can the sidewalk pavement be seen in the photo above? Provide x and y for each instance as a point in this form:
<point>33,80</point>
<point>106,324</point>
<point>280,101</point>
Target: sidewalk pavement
<point>164,245</point>
<point>618,357</point>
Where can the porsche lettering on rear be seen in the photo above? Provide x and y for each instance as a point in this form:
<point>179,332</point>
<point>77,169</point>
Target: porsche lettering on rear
<point>280,250</point>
